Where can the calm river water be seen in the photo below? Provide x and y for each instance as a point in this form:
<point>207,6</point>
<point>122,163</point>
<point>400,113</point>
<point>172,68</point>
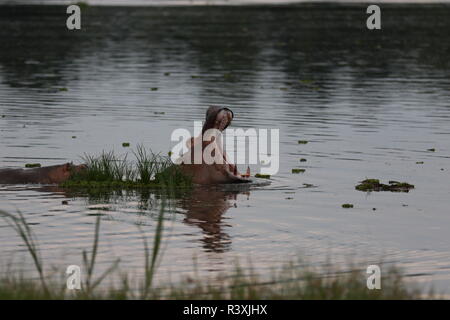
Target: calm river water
<point>370,104</point>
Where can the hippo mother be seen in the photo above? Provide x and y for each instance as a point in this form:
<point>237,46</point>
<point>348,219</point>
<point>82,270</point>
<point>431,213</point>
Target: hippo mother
<point>203,171</point>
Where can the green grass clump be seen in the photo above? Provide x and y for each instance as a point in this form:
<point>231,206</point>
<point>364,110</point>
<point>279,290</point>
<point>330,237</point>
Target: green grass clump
<point>109,170</point>
<point>125,144</point>
<point>302,142</point>
<point>375,185</point>
<point>32,165</point>
<point>347,205</point>
<point>302,160</point>
<point>431,149</point>
<point>296,170</point>
<point>263,176</point>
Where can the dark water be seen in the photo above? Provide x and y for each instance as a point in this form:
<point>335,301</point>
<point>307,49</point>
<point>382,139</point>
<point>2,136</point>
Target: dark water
<point>370,103</point>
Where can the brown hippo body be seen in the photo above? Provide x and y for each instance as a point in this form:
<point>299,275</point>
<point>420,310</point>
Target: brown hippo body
<point>45,175</point>
<point>203,173</point>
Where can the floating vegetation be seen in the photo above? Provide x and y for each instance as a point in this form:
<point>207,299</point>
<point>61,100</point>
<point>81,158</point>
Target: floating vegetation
<point>431,149</point>
<point>195,76</point>
<point>302,160</point>
<point>154,89</point>
<point>3,116</point>
<point>347,205</point>
<point>167,74</point>
<point>111,171</point>
<point>229,77</point>
<point>63,89</point>
<point>375,185</point>
<point>159,112</point>
<point>302,142</point>
<point>82,4</point>
<point>32,165</point>
<point>263,176</point>
<point>125,144</point>
<point>298,170</point>
<point>419,162</point>
<point>74,137</point>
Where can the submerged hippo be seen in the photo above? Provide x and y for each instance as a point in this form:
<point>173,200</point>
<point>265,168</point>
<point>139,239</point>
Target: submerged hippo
<point>45,175</point>
<point>205,172</point>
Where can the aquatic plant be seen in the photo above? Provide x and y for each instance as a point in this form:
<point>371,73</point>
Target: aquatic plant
<point>296,170</point>
<point>375,185</point>
<point>302,142</point>
<point>263,176</point>
<point>109,170</point>
<point>82,4</point>
<point>347,205</point>
<point>32,165</point>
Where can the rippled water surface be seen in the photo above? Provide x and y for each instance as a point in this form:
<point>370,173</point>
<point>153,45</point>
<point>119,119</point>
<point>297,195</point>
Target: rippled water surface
<point>370,104</point>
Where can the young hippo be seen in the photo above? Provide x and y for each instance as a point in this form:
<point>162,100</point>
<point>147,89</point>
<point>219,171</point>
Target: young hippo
<point>45,175</point>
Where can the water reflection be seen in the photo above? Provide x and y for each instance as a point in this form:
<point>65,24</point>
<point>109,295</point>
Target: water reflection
<point>206,208</point>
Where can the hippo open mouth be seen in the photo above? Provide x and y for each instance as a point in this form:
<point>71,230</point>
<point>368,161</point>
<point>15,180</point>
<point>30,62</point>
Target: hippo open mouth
<point>205,172</point>
<point>217,118</point>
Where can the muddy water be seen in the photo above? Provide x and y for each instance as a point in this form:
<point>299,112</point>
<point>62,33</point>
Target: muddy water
<point>370,104</point>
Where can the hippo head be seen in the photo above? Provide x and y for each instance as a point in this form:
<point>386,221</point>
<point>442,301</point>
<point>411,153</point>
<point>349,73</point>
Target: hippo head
<point>217,118</point>
<point>61,173</point>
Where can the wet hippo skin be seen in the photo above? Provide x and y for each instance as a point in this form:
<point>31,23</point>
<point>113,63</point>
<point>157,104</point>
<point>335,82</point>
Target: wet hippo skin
<point>45,175</point>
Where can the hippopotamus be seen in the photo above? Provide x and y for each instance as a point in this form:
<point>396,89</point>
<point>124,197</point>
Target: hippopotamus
<point>46,175</point>
<point>205,172</point>
<point>223,171</point>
